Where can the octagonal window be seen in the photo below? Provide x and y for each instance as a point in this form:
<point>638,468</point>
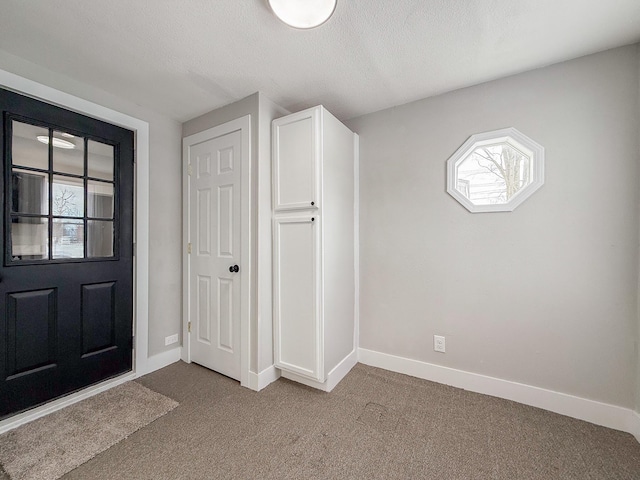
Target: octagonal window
<point>495,171</point>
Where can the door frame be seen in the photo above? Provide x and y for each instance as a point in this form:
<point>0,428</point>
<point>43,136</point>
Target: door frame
<point>243,124</point>
<point>142,364</point>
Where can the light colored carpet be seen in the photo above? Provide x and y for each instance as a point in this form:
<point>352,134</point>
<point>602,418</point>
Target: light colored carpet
<point>51,446</point>
<point>375,425</point>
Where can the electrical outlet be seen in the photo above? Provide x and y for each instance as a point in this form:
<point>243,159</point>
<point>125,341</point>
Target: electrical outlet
<point>438,343</point>
<point>171,339</point>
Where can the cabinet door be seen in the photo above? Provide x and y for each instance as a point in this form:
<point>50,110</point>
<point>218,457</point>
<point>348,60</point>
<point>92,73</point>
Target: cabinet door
<point>297,310</point>
<point>296,156</point>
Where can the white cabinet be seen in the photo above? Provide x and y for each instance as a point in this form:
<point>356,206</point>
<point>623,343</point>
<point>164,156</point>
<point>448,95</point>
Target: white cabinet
<point>297,141</point>
<point>314,247</point>
<point>296,257</point>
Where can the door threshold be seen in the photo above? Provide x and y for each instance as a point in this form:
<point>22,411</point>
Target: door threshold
<point>25,417</point>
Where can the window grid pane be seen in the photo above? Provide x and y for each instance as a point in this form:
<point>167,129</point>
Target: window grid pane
<point>30,146</point>
<point>100,199</point>
<point>68,238</point>
<point>30,192</point>
<point>29,238</point>
<point>99,239</point>
<point>100,160</point>
<point>62,198</point>
<point>68,153</point>
<point>68,196</point>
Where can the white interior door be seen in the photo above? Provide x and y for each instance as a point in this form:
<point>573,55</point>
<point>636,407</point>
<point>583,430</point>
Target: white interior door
<point>214,270</point>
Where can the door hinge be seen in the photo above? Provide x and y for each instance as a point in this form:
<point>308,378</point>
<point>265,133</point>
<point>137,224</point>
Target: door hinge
<point>189,247</point>
<point>189,170</point>
<point>189,327</point>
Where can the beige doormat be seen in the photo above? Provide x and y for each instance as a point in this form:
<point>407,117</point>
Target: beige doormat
<point>51,446</point>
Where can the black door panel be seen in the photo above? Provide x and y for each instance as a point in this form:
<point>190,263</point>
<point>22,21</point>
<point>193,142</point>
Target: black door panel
<point>66,280</point>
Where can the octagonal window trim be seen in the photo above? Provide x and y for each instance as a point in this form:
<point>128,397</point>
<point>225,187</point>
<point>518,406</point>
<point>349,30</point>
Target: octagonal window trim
<point>456,187</point>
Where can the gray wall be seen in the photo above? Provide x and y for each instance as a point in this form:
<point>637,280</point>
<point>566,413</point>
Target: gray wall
<point>247,106</point>
<point>165,211</point>
<point>545,295</point>
<point>638,323</point>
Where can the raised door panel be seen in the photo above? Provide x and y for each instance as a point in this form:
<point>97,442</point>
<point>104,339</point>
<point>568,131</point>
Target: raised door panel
<point>298,329</point>
<point>98,318</point>
<point>31,332</point>
<point>296,154</point>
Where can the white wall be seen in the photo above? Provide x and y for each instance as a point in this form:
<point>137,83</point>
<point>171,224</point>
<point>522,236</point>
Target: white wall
<point>165,235</point>
<point>545,295</point>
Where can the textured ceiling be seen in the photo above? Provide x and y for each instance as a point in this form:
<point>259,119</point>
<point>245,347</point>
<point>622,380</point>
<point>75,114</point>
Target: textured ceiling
<point>186,57</point>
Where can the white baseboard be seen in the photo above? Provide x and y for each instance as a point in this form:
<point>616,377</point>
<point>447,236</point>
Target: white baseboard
<point>604,414</point>
<point>341,370</point>
<point>333,378</point>
<point>635,425</point>
<point>304,380</point>
<point>158,361</point>
<point>257,381</point>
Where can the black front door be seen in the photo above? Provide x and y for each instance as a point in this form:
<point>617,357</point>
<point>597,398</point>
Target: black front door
<point>66,293</point>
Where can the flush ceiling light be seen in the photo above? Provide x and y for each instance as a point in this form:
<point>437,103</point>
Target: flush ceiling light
<point>303,13</point>
<point>57,142</point>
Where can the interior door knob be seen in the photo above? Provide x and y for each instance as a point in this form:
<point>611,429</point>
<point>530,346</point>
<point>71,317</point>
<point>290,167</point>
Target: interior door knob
<point>234,269</point>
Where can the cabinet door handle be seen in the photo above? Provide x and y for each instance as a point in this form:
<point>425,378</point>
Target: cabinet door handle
<point>234,269</point>
<point>313,203</point>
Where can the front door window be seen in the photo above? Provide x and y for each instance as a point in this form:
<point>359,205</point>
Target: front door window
<point>62,196</point>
